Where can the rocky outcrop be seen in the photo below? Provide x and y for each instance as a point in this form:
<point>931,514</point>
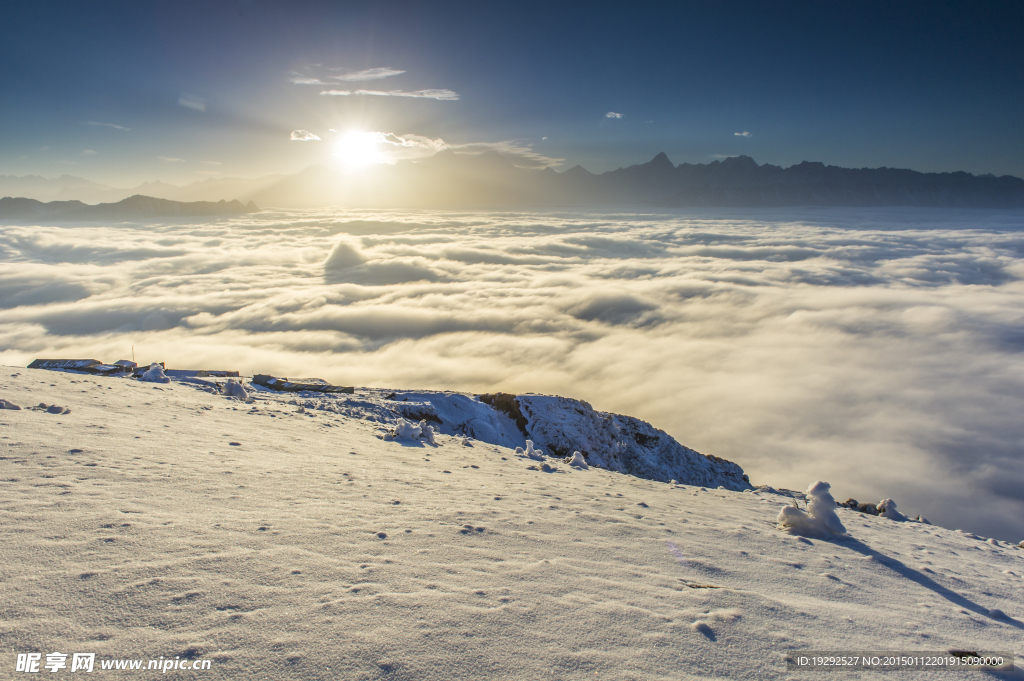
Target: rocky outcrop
<point>561,426</point>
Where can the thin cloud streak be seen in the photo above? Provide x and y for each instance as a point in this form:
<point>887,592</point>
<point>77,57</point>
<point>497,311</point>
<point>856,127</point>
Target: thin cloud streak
<point>521,155</point>
<point>108,125</point>
<point>394,148</point>
<point>367,74</point>
<point>192,102</point>
<point>342,75</point>
<point>444,95</point>
<point>299,79</point>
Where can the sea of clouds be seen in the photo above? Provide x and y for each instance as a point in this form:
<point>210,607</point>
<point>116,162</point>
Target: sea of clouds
<point>881,350</point>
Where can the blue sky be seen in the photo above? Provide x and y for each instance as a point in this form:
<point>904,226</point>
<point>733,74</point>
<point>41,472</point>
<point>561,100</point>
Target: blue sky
<point>206,89</point>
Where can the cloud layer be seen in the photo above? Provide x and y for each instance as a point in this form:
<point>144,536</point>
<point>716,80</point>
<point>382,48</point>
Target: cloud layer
<point>447,95</point>
<point>881,350</point>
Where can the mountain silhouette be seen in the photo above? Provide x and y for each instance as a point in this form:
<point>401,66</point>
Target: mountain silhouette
<point>491,181</point>
<point>133,207</point>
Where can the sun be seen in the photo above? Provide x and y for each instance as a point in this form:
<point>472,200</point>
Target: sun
<point>357,149</point>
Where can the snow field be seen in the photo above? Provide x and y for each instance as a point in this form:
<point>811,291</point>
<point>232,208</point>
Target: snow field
<point>285,541</point>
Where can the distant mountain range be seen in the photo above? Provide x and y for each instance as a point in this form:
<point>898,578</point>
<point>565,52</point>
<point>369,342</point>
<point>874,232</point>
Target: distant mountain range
<point>489,180</point>
<point>131,208</point>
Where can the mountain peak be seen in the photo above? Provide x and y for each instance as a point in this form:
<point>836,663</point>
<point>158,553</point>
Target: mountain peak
<point>661,161</point>
<point>736,162</point>
<point>577,171</point>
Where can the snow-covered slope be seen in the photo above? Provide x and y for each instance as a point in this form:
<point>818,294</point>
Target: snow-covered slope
<point>281,537</point>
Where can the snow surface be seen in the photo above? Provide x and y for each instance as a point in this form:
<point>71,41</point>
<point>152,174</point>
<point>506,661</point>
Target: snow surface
<point>286,539</point>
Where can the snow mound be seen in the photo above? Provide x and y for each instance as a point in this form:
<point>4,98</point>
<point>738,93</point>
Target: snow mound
<point>155,374</point>
<point>530,452</point>
<point>4,404</point>
<point>887,509</point>
<point>457,414</point>
<point>234,388</point>
<point>577,461</point>
<point>427,433</point>
<point>408,430</point>
<point>819,519</point>
<point>621,443</point>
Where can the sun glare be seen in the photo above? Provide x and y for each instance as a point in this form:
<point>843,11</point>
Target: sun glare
<point>357,149</point>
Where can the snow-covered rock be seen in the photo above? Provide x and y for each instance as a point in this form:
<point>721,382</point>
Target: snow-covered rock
<point>560,426</point>
<point>427,432</point>
<point>235,388</point>
<point>155,374</point>
<point>819,519</point>
<point>577,461</point>
<point>407,430</point>
<point>621,443</point>
<point>887,509</point>
<point>457,414</point>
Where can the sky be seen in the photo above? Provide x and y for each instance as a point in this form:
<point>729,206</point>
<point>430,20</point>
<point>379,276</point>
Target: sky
<point>125,92</point>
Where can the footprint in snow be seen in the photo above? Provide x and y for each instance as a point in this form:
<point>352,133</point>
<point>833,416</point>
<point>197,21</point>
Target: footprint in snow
<point>51,409</point>
<point>702,627</point>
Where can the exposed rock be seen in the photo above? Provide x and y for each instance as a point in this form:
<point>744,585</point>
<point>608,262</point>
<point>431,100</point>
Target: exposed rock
<point>508,405</point>
<point>868,508</point>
